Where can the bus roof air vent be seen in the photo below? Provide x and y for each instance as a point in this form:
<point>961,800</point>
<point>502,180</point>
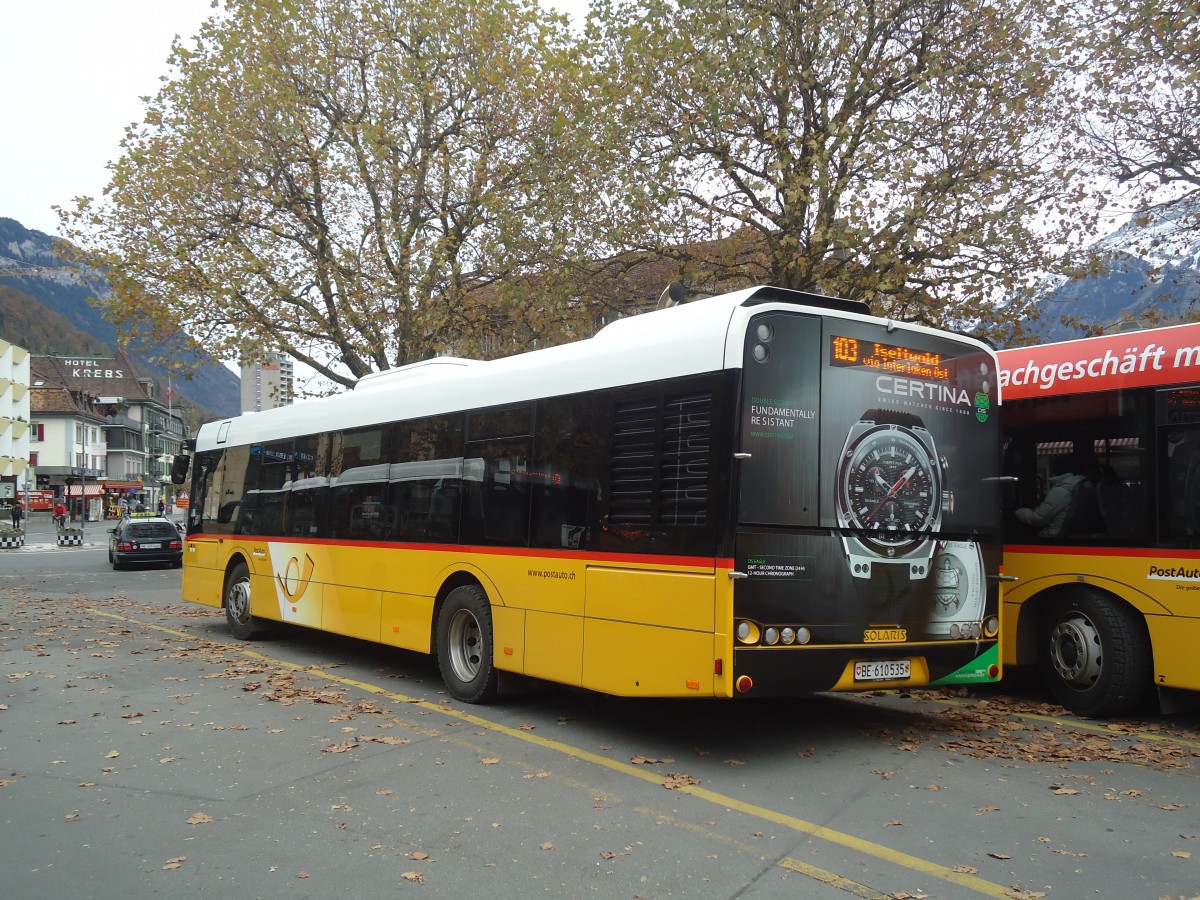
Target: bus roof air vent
<point>427,370</point>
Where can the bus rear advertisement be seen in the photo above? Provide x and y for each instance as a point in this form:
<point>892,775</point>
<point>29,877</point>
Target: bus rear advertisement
<point>765,493</point>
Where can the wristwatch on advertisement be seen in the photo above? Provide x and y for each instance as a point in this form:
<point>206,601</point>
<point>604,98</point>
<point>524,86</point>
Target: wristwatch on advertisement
<point>891,493</point>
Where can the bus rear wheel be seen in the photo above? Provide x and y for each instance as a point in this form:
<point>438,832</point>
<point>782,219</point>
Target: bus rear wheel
<point>464,645</point>
<point>1095,655</point>
<point>242,625</point>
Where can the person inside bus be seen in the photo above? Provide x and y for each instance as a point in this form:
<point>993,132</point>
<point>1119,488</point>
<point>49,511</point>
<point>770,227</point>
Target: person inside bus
<point>1049,516</point>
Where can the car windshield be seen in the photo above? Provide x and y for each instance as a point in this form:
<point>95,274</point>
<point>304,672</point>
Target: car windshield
<point>151,530</point>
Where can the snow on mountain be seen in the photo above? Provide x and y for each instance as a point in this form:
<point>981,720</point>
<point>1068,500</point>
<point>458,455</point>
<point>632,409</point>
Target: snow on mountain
<point>1153,276</point>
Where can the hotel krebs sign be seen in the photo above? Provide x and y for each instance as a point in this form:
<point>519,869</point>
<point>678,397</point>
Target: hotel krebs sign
<point>92,368</point>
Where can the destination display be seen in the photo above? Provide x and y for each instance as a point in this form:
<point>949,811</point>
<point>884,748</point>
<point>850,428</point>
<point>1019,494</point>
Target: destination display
<point>846,352</point>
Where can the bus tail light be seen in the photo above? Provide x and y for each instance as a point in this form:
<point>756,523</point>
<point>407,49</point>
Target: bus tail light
<point>744,683</point>
<point>991,626</point>
<point>747,632</point>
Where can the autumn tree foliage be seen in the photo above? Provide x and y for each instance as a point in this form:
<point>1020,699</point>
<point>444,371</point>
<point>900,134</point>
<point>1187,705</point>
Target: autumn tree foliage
<point>906,152</point>
<point>358,183</point>
<point>367,183</point>
<point>1137,106</point>
<point>1143,67</point>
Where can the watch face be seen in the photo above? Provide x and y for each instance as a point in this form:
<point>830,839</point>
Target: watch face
<point>889,488</point>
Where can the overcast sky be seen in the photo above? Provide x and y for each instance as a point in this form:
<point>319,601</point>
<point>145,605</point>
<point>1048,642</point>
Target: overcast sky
<point>72,73</point>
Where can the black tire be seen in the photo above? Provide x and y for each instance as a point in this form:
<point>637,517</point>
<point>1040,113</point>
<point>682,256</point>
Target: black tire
<point>1095,655</point>
<point>464,645</point>
<point>236,600</point>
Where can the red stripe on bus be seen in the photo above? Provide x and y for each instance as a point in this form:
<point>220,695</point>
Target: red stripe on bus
<point>707,562</point>
<point>1134,552</point>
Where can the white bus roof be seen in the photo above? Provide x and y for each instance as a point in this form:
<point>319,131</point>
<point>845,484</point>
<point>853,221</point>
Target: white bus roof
<point>689,339</point>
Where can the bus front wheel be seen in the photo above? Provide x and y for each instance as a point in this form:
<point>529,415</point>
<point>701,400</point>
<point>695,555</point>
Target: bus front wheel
<point>237,604</point>
<point>464,645</point>
<point>1095,655</point>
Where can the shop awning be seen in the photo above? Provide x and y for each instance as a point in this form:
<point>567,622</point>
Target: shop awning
<point>122,485</point>
<point>92,490</point>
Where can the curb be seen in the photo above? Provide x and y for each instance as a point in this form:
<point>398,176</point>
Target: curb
<point>50,545</point>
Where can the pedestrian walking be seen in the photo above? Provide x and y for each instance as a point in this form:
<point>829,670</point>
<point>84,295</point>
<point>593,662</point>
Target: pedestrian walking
<point>18,513</point>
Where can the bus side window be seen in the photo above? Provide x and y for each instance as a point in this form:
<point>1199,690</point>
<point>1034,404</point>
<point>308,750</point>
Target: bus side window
<point>496,493</point>
<point>425,478</point>
<point>562,475</point>
<point>1181,507</point>
<point>228,486</point>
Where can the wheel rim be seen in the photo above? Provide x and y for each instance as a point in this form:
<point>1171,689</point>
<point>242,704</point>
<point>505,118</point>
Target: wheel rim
<point>238,602</point>
<point>1076,651</point>
<point>465,644</point>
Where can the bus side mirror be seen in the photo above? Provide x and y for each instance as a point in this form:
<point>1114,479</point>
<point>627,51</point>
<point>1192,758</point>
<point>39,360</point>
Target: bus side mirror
<point>179,469</point>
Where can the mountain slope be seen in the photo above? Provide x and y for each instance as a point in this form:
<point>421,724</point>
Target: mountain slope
<point>59,289</point>
<point>1153,276</point>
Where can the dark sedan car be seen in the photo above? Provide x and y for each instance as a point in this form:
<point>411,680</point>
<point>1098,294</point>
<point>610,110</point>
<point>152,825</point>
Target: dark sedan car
<point>147,539</point>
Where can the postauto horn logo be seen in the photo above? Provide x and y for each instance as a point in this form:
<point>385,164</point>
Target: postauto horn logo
<point>983,405</point>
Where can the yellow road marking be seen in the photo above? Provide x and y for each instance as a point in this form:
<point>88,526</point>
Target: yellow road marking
<point>793,823</point>
<point>832,879</point>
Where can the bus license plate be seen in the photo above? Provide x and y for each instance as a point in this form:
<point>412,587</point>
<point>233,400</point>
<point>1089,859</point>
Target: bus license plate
<point>882,670</point>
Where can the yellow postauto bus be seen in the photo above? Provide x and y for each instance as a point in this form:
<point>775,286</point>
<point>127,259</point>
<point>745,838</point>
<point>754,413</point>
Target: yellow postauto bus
<point>1107,593</point>
<point>761,493</point>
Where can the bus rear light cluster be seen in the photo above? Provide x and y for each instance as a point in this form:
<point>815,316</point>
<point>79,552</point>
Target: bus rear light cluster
<point>972,631</point>
<point>749,633</point>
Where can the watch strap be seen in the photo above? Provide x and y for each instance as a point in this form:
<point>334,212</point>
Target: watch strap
<point>892,417</point>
